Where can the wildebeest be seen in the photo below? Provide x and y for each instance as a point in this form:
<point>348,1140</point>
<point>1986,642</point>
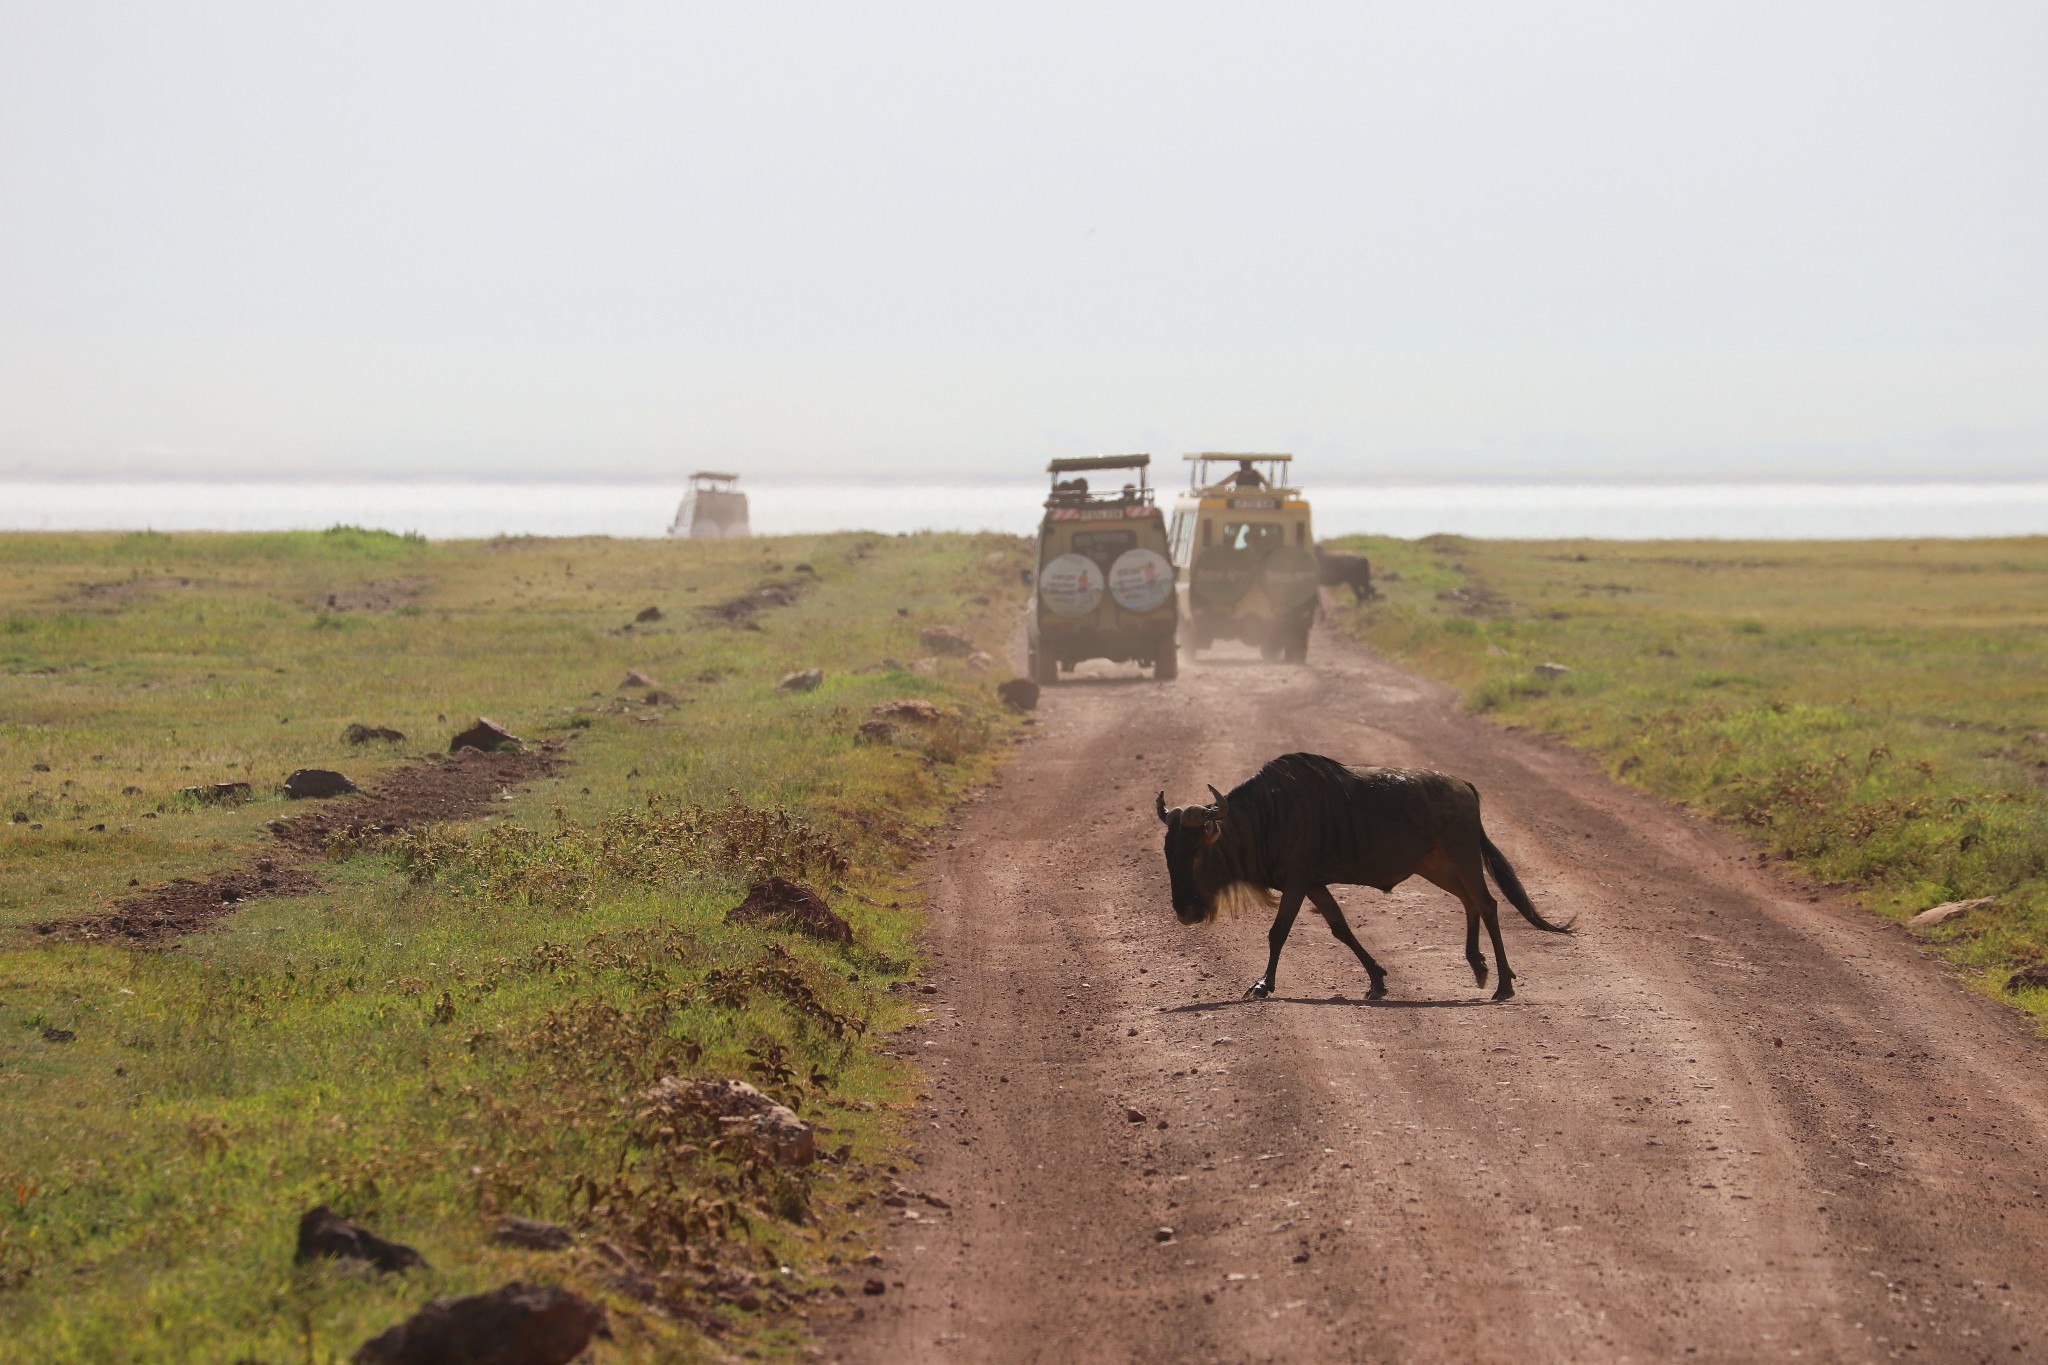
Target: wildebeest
<point>1341,568</point>
<point>1304,822</point>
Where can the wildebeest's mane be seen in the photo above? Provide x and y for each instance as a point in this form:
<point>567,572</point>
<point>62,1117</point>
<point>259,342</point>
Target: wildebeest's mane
<point>1262,801</point>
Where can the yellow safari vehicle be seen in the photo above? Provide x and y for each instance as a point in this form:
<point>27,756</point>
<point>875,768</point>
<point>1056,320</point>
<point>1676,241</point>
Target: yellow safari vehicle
<point>1245,555</point>
<point>1103,588</point>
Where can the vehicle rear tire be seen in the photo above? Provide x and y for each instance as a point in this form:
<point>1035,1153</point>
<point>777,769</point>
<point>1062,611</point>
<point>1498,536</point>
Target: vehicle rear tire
<point>1297,650</point>
<point>1270,650</point>
<point>1167,667</point>
<point>1044,671</point>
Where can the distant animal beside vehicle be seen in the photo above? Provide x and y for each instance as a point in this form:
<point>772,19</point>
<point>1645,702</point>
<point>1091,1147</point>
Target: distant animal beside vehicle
<point>1304,822</point>
<point>1341,569</point>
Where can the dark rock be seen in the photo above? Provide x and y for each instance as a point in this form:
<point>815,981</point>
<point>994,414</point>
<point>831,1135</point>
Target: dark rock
<point>531,1233</point>
<point>790,905</point>
<point>874,1287</point>
<point>360,733</point>
<point>39,767</point>
<point>946,640</point>
<point>488,736</point>
<point>659,698</point>
<point>219,793</point>
<point>515,1324</point>
<point>323,1232</point>
<point>871,732</point>
<point>317,783</point>
<point>648,614</point>
<point>635,678</point>
<point>59,1035</point>
<point>804,680</point>
<point>2035,976</point>
<point>1019,694</point>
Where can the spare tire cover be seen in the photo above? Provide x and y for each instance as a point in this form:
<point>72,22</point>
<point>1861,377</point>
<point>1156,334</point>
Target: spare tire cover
<point>1221,575</point>
<point>1140,580</point>
<point>1070,585</point>
<point>1289,577</point>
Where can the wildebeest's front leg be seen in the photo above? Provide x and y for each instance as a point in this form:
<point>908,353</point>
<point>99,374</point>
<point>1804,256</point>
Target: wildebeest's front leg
<point>1333,915</point>
<point>1276,939</point>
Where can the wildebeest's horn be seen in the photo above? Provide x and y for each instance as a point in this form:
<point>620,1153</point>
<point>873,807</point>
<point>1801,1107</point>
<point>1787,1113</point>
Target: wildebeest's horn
<point>1219,802</point>
<point>1164,818</point>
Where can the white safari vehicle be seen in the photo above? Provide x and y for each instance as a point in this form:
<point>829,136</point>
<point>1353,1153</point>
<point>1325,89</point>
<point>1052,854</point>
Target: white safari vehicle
<point>1103,588</point>
<point>712,509</point>
<point>1245,555</point>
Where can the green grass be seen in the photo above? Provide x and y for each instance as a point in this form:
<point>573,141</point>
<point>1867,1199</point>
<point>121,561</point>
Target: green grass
<point>459,1024</point>
<point>1876,711</point>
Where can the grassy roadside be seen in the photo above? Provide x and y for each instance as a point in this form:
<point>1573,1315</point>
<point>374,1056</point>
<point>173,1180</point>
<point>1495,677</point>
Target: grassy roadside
<point>1875,711</point>
<point>460,1024</point>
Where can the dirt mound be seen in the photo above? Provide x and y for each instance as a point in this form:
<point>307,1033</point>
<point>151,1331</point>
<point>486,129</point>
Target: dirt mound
<point>181,906</point>
<point>458,787</point>
<point>790,905</point>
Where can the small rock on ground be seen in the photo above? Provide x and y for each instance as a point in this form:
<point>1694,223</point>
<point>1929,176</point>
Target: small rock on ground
<point>531,1233</point>
<point>775,1129</point>
<point>916,710</point>
<point>648,614</point>
<point>489,736</point>
<point>317,784</point>
<point>514,1324</point>
<point>635,678</point>
<point>1948,910</point>
<point>325,1233</point>
<point>803,680</point>
<point>1552,670</point>
<point>359,733</point>
<point>1019,694</point>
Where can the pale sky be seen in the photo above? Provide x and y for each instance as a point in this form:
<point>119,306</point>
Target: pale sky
<point>1408,242</point>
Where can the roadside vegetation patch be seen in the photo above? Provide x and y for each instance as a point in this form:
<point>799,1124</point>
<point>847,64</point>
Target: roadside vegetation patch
<point>465,989</point>
<point>1875,712</point>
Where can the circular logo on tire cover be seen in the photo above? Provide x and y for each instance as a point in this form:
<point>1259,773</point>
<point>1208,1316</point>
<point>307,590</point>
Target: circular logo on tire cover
<point>1140,580</point>
<point>1289,576</point>
<point>1221,575</point>
<point>1070,585</point>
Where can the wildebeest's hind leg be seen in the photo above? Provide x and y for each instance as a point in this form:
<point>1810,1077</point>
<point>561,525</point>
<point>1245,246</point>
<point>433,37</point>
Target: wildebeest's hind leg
<point>1463,874</point>
<point>1276,939</point>
<point>1333,915</point>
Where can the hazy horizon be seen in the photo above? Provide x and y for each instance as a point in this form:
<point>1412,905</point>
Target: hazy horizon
<point>1600,243</point>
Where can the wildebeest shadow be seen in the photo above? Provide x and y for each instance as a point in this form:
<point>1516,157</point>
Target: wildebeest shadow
<point>1356,1003</point>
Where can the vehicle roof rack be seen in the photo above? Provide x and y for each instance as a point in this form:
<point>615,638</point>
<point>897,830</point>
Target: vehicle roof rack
<point>1234,455</point>
<point>1098,462</point>
<point>712,474</point>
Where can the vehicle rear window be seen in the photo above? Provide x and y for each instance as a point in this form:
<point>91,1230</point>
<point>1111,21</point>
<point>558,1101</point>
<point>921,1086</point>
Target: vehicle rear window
<point>1104,546</point>
<point>1257,536</point>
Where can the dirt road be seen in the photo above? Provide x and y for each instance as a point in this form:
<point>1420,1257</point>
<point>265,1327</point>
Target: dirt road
<point>1728,1119</point>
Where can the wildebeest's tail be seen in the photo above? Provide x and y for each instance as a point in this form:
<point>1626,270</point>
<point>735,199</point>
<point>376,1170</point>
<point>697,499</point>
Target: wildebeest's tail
<point>1511,886</point>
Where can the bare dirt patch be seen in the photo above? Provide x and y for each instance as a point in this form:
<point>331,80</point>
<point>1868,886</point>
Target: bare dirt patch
<point>122,591</point>
<point>182,906</point>
<point>459,786</point>
<point>388,594</point>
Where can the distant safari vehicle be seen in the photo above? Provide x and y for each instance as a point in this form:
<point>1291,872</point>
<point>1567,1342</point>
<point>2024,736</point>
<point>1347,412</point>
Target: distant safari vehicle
<point>1245,555</point>
<point>1103,588</point>
<point>712,509</point>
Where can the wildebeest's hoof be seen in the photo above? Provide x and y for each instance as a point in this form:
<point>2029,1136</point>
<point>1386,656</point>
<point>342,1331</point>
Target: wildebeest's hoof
<point>1258,990</point>
<point>1504,992</point>
<point>1378,991</point>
